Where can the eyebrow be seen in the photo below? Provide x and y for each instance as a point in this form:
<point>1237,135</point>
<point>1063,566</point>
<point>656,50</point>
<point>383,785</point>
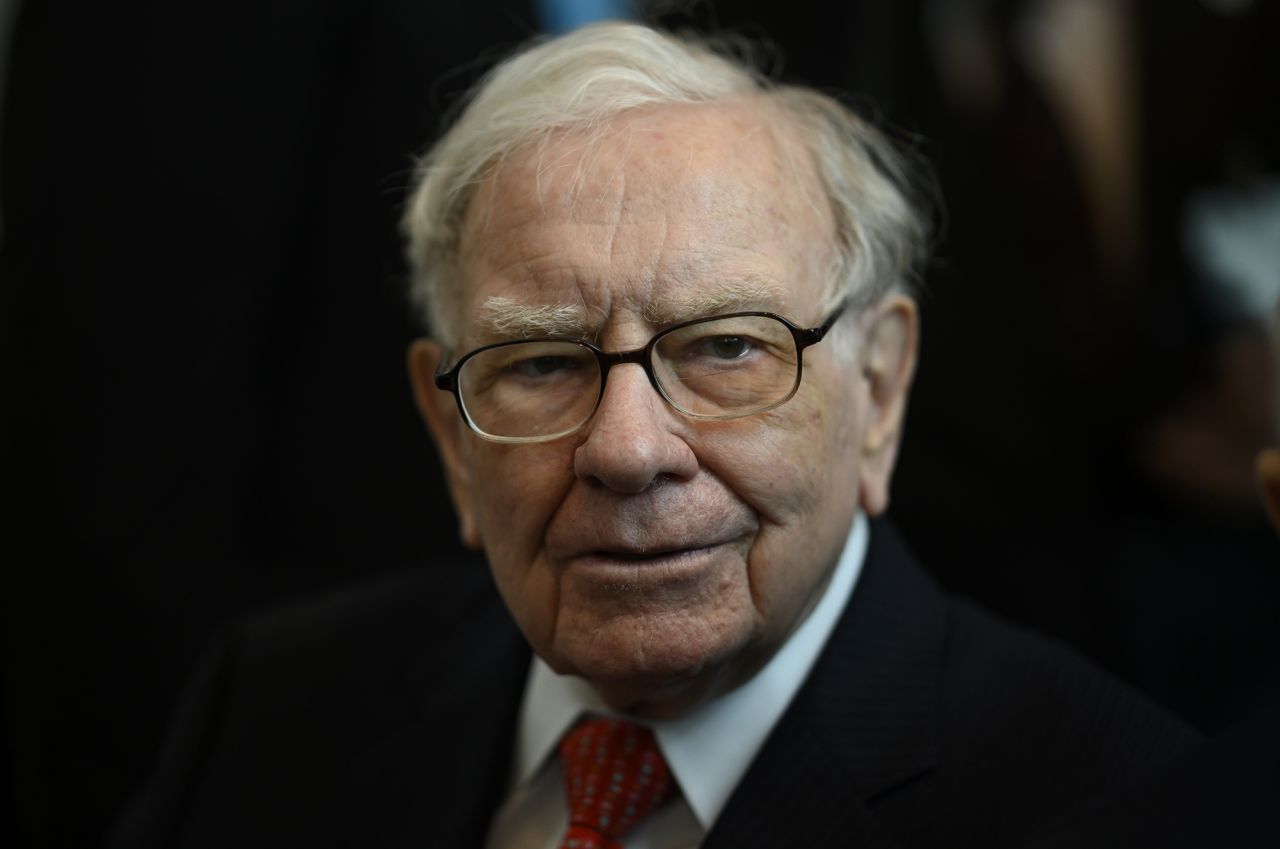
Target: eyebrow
<point>739,296</point>
<point>507,318</point>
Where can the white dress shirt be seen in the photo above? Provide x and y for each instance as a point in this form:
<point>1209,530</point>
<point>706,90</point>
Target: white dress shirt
<point>708,750</point>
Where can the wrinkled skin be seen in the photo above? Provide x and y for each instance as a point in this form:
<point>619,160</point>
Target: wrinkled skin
<point>665,559</point>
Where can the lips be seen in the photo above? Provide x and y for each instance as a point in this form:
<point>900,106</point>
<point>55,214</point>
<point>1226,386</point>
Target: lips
<point>672,574</point>
<point>637,544</point>
<point>653,555</point>
<point>666,524</point>
<point>639,556</point>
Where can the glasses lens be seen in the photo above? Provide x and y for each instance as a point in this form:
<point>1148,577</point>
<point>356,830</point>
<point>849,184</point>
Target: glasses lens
<point>530,390</point>
<point>726,367</point>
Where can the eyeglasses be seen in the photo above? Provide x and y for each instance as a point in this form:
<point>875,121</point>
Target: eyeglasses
<point>722,367</point>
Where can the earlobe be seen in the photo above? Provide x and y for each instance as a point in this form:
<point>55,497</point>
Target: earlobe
<point>1268,468</point>
<point>888,365</point>
<point>447,431</point>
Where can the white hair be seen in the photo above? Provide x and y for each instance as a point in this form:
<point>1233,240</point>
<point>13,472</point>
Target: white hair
<point>582,80</point>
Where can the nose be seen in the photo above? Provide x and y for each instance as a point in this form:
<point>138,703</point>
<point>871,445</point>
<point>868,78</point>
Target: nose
<point>634,438</point>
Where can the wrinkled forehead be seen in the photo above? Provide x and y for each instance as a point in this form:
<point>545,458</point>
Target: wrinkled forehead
<point>699,156</point>
<point>660,211</point>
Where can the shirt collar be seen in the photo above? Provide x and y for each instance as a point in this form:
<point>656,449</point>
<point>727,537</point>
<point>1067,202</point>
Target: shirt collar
<point>709,749</point>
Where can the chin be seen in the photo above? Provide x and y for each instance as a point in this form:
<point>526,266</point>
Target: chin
<point>653,664</point>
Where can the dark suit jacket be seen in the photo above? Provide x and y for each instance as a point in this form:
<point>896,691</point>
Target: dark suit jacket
<point>385,719</point>
<point>1224,793</point>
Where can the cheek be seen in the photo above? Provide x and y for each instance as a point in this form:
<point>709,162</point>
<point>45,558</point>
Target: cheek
<point>787,464</point>
<point>797,467</point>
<point>829,413</point>
<point>516,490</point>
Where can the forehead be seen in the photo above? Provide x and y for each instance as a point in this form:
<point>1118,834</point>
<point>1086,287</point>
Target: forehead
<point>657,213</point>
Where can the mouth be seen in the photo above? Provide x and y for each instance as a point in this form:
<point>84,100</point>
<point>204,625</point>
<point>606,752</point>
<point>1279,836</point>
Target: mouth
<point>656,567</point>
<point>659,555</point>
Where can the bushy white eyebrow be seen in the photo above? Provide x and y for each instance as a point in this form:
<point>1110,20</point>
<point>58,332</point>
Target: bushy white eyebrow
<point>738,296</point>
<point>507,318</point>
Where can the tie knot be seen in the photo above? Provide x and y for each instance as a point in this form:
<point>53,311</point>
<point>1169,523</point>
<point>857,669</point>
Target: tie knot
<point>614,776</point>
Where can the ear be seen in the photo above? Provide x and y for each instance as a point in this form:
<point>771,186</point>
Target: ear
<point>439,412</point>
<point>1268,467</point>
<point>888,364</point>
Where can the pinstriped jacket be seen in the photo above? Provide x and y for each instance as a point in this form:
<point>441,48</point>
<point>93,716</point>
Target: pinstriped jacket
<point>385,719</point>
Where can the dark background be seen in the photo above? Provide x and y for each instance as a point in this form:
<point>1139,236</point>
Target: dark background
<point>202,325</point>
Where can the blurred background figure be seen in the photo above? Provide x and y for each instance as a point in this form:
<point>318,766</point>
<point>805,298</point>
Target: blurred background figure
<point>1114,164</point>
<point>203,329</point>
<point>1222,793</point>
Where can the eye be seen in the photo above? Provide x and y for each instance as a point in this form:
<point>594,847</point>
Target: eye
<point>726,347</point>
<point>543,366</point>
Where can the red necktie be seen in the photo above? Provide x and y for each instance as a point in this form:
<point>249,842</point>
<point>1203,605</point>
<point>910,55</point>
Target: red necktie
<point>614,776</point>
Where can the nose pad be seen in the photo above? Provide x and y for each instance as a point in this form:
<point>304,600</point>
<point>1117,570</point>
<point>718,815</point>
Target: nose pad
<point>631,441</point>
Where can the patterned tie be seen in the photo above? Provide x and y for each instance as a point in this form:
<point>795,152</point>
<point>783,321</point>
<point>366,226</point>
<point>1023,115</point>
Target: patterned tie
<point>614,776</point>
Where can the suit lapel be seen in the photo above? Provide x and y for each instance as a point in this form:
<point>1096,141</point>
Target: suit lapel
<point>796,794</point>
<point>864,723</point>
<point>438,780</point>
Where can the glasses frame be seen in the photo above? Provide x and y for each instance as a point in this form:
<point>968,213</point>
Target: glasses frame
<point>804,337</point>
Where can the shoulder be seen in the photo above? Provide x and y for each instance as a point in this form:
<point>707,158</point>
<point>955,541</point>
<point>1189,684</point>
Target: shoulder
<point>1013,694</point>
<point>448,590</point>
<point>1031,730</point>
<point>1222,794</point>
<point>1002,684</point>
<point>361,657</point>
<point>381,627</point>
<point>1023,728</point>
<point>290,705</point>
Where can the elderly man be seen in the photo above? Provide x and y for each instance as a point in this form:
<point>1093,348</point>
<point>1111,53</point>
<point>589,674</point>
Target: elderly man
<point>672,343</point>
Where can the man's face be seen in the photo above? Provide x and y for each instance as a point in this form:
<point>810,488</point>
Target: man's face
<point>664,559</point>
